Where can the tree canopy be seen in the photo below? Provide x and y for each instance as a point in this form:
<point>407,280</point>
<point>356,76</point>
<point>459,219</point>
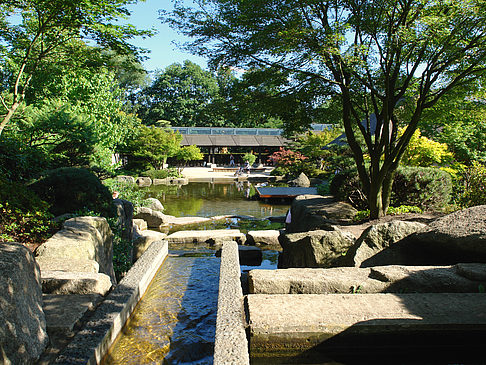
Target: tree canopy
<point>387,61</point>
<point>47,33</point>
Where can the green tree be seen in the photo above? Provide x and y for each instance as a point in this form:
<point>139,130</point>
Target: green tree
<point>375,56</point>
<point>182,94</point>
<point>313,145</point>
<point>155,145</point>
<point>189,153</point>
<point>45,34</point>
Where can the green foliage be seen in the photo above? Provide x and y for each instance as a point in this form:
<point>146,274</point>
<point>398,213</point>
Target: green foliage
<point>423,187</point>
<point>189,153</point>
<point>70,189</point>
<point>474,181</point>
<point>250,157</point>
<point>24,217</point>
<point>324,188</point>
<point>312,145</point>
<point>126,191</point>
<point>155,145</point>
<point>402,209</point>
<point>424,152</point>
<point>161,174</point>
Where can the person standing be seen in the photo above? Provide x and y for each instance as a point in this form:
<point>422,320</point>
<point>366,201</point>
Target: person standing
<point>232,161</point>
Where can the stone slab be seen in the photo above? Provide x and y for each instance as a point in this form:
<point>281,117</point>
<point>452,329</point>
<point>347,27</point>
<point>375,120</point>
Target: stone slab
<point>292,324</point>
<point>264,238</point>
<point>63,282</point>
<point>390,279</point>
<point>206,236</point>
<point>231,345</point>
<point>67,264</point>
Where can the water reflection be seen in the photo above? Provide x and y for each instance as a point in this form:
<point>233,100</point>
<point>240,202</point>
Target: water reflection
<point>175,321</point>
<point>210,199</point>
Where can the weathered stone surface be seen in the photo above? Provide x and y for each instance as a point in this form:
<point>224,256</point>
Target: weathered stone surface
<point>457,237</point>
<point>82,238</point>
<point>63,282</point>
<point>378,237</point>
<point>63,312</point>
<point>143,181</point>
<point>231,345</point>
<point>207,236</point>
<point>23,335</point>
<point>291,324</point>
<point>64,264</point>
<point>140,224</point>
<point>472,271</point>
<point>181,221</point>
<point>142,241</point>
<point>263,238</point>
<point>301,181</point>
<point>124,211</point>
<point>154,204</point>
<point>127,179</point>
<point>153,218</point>
<point>311,212</point>
<point>313,249</point>
<point>380,279</point>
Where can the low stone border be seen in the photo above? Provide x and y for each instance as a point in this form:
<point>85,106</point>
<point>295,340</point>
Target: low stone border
<point>93,341</point>
<point>231,344</point>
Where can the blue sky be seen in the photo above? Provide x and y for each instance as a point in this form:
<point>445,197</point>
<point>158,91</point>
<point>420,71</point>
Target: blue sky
<point>163,51</point>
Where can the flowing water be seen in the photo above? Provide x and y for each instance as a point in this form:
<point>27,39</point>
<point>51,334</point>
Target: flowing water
<point>175,321</point>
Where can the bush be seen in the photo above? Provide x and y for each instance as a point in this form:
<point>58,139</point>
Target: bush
<point>70,189</point>
<point>127,191</point>
<point>161,174</point>
<point>24,217</point>
<point>474,185</point>
<point>423,187</point>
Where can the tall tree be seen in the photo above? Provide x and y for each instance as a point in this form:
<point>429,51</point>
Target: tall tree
<point>182,94</point>
<point>376,55</point>
<point>44,34</point>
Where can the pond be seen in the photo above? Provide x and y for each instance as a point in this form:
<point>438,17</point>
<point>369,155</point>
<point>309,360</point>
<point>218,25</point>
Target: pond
<point>213,199</point>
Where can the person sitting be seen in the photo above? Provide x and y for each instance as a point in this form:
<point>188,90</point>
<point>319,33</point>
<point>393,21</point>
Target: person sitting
<point>246,167</point>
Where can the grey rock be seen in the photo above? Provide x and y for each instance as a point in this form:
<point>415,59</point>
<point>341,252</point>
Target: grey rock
<point>313,249</point>
<point>143,181</point>
<point>377,238</point>
<point>301,181</point>
<point>154,204</point>
<point>62,282</point>
<point>142,241</point>
<point>472,271</point>
<point>82,238</point>
<point>207,236</point>
<point>153,218</point>
<point>140,224</point>
<point>312,212</point>
<point>124,211</point>
<point>23,335</point>
<point>263,238</point>
<point>64,264</point>
<point>457,237</point>
<point>125,179</point>
<point>250,256</point>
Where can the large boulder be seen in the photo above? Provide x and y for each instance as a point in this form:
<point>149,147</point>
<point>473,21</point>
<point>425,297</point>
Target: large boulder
<point>313,249</point>
<point>124,211</point>
<point>267,237</point>
<point>154,204</point>
<point>23,335</point>
<point>312,212</point>
<point>125,179</point>
<point>143,181</point>
<point>82,238</point>
<point>457,237</point>
<point>153,218</point>
<point>376,238</point>
<point>301,181</point>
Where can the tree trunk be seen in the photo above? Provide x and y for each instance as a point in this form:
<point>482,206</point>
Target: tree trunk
<point>375,200</point>
<point>7,117</point>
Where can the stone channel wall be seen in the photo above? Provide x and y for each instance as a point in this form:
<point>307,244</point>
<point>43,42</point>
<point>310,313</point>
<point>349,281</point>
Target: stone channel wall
<point>92,342</point>
<point>231,345</point>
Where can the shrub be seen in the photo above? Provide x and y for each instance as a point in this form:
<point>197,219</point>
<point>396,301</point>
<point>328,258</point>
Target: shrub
<point>70,189</point>
<point>24,217</point>
<point>126,191</point>
<point>250,157</point>
<point>161,174</point>
<point>423,187</point>
<point>474,185</point>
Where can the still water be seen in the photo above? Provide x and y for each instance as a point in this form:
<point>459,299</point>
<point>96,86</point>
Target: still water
<point>175,321</point>
<point>210,199</point>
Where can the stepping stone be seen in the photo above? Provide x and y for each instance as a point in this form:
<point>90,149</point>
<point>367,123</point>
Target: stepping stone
<point>206,236</point>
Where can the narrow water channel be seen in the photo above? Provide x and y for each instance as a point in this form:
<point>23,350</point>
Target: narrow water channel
<point>175,321</point>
